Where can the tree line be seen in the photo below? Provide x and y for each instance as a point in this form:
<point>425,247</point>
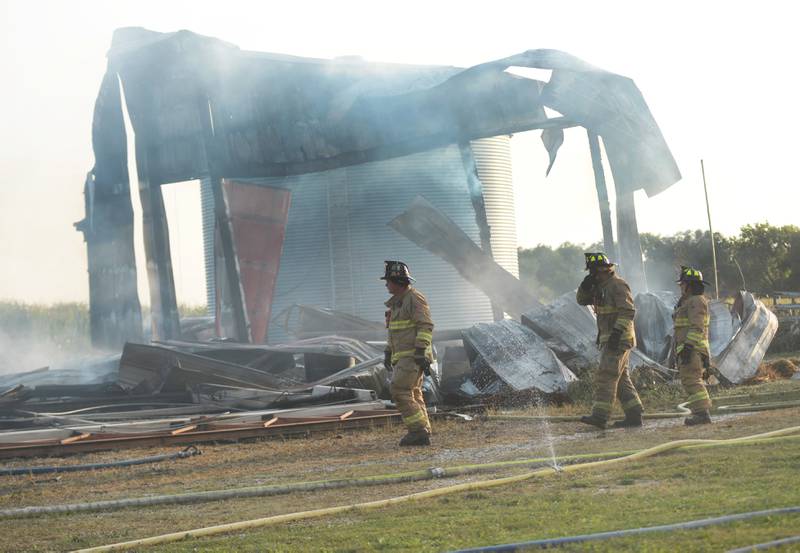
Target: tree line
<point>762,259</point>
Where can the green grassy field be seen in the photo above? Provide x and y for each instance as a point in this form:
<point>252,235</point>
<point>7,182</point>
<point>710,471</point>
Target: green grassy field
<point>677,486</point>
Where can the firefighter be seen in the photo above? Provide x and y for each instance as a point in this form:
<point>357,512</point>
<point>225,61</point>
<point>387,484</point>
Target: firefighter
<point>611,299</point>
<point>408,350</point>
<point>692,354</point>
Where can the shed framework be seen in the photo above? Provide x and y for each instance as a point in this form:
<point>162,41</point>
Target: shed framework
<point>202,108</point>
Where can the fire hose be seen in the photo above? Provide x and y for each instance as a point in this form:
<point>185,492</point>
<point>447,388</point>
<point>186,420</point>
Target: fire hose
<point>468,486</point>
<point>183,454</point>
<point>285,489</point>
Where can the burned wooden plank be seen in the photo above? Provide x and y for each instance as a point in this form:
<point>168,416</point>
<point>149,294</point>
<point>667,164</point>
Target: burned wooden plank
<point>282,426</point>
<point>163,300</point>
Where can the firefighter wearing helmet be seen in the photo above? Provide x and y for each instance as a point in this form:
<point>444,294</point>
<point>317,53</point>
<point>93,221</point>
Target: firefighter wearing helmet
<point>612,301</point>
<point>408,351</point>
<point>692,355</point>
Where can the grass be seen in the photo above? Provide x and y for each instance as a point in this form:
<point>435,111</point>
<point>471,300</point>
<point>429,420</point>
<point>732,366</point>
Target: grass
<point>676,487</point>
<point>64,324</point>
<point>60,323</point>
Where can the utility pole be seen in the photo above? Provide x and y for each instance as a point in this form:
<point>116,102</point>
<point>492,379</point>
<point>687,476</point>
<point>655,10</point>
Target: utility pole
<point>711,232</point>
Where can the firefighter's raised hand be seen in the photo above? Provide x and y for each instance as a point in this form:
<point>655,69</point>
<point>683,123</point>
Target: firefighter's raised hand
<point>588,283</point>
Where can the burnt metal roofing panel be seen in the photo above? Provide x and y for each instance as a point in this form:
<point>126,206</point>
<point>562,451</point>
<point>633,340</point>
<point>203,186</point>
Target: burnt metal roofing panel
<point>519,357</point>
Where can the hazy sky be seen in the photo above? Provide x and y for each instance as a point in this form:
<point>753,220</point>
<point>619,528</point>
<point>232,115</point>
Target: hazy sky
<point>719,77</point>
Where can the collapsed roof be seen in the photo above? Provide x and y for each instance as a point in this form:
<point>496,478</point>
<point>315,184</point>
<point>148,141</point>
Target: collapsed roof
<point>274,114</point>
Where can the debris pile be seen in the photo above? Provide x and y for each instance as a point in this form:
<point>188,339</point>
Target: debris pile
<point>185,392</point>
<point>332,371</point>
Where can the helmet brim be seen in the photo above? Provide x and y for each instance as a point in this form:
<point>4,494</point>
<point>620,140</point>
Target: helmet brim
<point>703,282</point>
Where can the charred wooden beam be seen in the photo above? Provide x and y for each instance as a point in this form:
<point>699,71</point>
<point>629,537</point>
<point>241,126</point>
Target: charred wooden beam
<point>233,281</point>
<point>114,310</point>
<point>163,300</point>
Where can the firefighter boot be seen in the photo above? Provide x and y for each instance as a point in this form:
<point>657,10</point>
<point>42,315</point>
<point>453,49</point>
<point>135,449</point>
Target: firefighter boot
<point>633,419</point>
<point>416,437</point>
<point>595,420</point>
<point>701,417</point>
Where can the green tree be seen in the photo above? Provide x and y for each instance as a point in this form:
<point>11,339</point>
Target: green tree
<point>768,256</point>
<point>663,257</point>
<point>551,272</point>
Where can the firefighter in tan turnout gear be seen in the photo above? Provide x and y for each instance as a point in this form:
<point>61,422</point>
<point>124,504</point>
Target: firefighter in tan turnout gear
<point>408,350</point>
<point>611,299</point>
<point>692,354</point>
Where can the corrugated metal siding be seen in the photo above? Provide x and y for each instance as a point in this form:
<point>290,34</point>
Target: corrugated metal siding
<point>337,238</point>
<point>380,191</point>
<point>493,161</point>
<point>338,229</point>
<point>207,209</point>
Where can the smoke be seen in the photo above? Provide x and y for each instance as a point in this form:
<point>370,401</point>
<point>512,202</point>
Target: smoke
<point>28,353</point>
<point>36,336</point>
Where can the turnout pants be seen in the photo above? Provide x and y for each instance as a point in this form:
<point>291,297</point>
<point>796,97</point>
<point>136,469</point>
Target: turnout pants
<point>691,373</point>
<point>407,395</point>
<point>612,381</point>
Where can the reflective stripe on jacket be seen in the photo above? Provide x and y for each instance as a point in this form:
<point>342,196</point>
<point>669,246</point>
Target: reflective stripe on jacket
<point>612,302</point>
<point>410,325</point>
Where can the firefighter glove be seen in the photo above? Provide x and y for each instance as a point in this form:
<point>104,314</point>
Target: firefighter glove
<point>422,361</point>
<point>686,353</point>
<point>588,283</point>
<point>614,339</point>
<point>387,359</point>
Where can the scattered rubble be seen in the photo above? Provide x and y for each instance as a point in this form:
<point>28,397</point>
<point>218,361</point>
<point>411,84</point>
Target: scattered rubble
<point>186,392</point>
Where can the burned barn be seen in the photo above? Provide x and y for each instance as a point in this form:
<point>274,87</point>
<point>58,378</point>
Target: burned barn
<point>281,132</point>
<point>312,172</point>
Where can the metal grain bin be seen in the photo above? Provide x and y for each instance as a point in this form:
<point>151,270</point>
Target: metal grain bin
<point>337,235</point>
<point>493,160</point>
